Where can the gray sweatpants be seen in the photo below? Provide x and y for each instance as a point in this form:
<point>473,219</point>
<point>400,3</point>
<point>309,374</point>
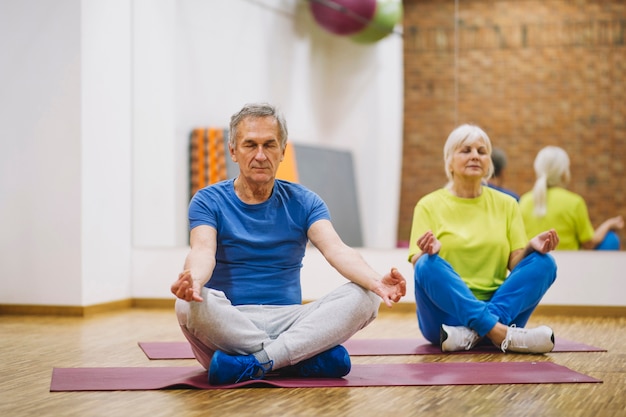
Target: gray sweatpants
<point>287,334</point>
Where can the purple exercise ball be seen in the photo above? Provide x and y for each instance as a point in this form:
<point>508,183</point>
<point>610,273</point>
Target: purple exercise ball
<point>343,17</point>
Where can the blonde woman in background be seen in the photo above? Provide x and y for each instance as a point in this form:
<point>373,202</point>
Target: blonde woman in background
<point>551,205</point>
<point>476,274</point>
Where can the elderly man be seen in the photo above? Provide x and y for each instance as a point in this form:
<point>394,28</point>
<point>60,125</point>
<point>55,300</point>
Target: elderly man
<point>239,295</point>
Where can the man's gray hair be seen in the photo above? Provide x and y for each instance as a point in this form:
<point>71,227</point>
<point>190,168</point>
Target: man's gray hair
<point>256,110</point>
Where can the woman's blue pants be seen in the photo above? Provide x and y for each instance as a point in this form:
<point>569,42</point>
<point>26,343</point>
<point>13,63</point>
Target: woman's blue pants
<point>442,297</point>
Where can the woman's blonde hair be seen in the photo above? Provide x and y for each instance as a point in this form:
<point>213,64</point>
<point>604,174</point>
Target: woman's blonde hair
<point>551,170</point>
<point>457,138</point>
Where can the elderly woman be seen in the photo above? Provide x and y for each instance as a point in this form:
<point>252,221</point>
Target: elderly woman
<point>551,204</point>
<point>476,274</point>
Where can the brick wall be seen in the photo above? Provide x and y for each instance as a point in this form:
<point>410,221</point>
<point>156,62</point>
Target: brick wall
<point>531,74</point>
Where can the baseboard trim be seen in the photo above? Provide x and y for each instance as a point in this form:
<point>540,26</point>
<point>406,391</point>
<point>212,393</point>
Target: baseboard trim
<point>40,310</point>
<point>74,311</point>
<point>579,310</point>
<point>544,310</point>
<point>154,303</point>
<point>168,304</point>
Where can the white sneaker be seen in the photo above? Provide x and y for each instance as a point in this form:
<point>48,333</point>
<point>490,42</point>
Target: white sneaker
<point>455,338</point>
<point>537,340</point>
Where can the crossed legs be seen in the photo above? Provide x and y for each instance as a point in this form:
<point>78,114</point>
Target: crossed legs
<point>443,298</point>
<point>284,334</point>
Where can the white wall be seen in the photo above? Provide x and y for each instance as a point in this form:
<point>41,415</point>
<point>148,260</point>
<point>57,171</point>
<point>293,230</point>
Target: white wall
<point>106,145</point>
<point>333,92</point>
<point>40,152</point>
<point>159,160</point>
<point>65,158</point>
<point>196,62</point>
<point>584,278</point>
<point>588,278</point>
<point>97,102</point>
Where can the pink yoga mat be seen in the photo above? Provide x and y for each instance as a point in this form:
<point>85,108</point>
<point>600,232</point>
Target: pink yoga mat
<point>419,374</point>
<point>363,347</point>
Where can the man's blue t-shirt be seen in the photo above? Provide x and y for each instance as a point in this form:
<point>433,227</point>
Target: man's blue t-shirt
<point>259,246</point>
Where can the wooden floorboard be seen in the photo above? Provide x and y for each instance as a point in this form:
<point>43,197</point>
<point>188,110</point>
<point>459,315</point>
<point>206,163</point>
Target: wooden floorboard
<point>30,346</point>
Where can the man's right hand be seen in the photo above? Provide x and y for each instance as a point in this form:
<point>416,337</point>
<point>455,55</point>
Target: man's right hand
<point>185,288</point>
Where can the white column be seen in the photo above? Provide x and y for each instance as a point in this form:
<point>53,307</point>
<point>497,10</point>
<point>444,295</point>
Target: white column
<point>40,157</point>
<point>159,200</point>
<point>106,146</point>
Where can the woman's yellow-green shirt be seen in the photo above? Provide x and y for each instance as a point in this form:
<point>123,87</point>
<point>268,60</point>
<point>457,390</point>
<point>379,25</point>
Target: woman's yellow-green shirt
<point>566,213</point>
<point>477,235</point>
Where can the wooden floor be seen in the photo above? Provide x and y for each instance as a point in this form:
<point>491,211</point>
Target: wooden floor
<point>31,346</point>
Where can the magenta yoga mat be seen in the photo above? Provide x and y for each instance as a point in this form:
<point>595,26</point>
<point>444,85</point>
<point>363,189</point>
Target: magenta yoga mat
<point>420,374</point>
<point>364,347</point>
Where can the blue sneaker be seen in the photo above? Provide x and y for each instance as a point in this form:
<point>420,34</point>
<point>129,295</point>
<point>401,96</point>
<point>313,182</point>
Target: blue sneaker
<point>332,363</point>
<point>230,369</point>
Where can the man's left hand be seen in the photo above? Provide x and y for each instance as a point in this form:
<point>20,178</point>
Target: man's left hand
<point>391,287</point>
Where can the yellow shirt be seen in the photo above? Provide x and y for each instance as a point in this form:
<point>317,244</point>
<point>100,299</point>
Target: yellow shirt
<point>477,235</point>
<point>566,213</point>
